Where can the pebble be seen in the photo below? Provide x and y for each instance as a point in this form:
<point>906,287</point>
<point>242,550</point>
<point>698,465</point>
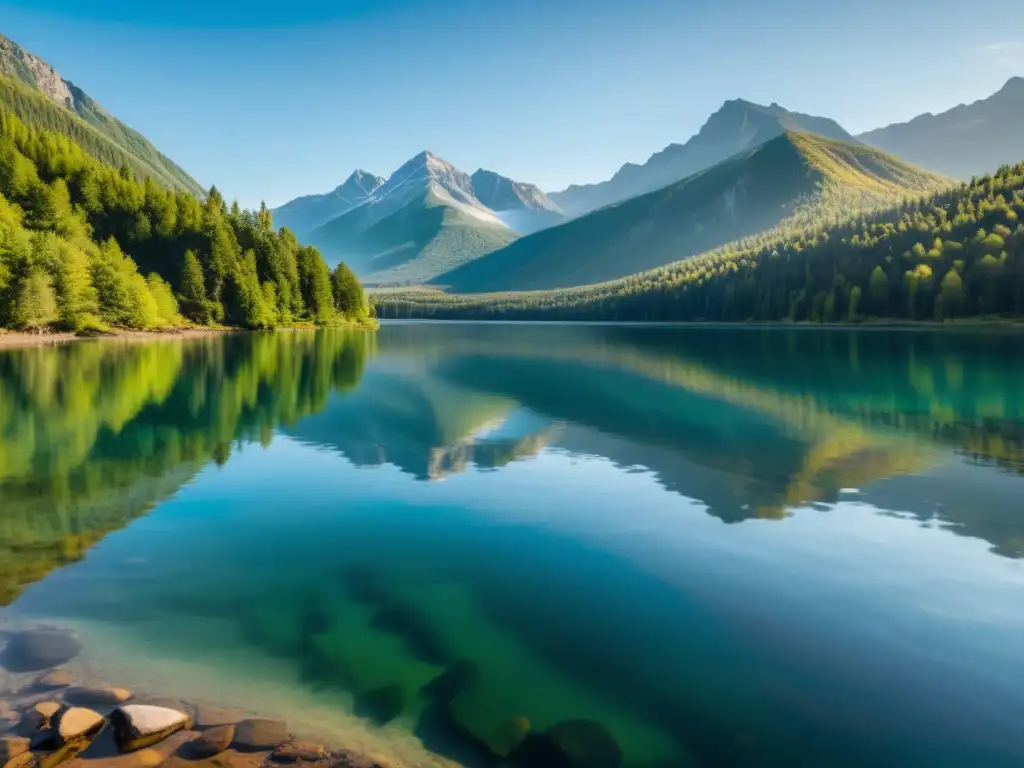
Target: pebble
<point>212,741</point>
<point>259,733</point>
<point>293,751</point>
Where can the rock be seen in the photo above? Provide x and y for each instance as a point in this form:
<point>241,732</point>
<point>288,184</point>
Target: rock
<point>39,649</point>
<point>463,675</point>
<point>293,751</point>
<point>75,724</point>
<point>97,696</point>
<point>212,741</point>
<point>24,760</point>
<point>256,733</point>
<point>570,744</point>
<point>167,703</point>
<point>163,753</point>
<point>406,621</point>
<point>345,758</point>
<point>8,717</point>
<point>140,725</point>
<point>11,747</point>
<point>208,717</point>
<point>57,678</point>
<point>382,705</point>
<point>38,717</point>
<point>508,735</point>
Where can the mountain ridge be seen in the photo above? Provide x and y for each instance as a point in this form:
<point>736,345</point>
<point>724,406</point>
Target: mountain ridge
<point>964,141</point>
<point>791,179</point>
<point>736,126</point>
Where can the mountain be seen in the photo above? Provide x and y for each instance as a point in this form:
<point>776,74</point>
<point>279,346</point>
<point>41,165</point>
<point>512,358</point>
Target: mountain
<point>25,78</point>
<point>737,126</point>
<point>965,141</point>
<point>794,179</point>
<point>424,220</point>
<point>523,207</point>
<point>304,214</point>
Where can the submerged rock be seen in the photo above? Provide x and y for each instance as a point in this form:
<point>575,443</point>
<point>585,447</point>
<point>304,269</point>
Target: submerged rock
<point>38,717</point>
<point>39,649</point>
<point>97,696</point>
<point>508,736</point>
<point>382,705</point>
<point>461,676</point>
<point>345,758</point>
<point>210,717</point>
<point>408,622</point>
<point>140,725</point>
<point>570,744</point>
<point>293,751</point>
<point>56,678</point>
<point>212,741</point>
<point>258,733</point>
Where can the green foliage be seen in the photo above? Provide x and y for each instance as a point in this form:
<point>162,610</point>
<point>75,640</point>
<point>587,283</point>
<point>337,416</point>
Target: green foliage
<point>792,275</point>
<point>37,305</point>
<point>349,297</point>
<point>95,230</point>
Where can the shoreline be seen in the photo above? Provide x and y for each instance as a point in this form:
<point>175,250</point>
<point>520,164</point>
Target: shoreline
<point>333,738</point>
<point>26,340</point>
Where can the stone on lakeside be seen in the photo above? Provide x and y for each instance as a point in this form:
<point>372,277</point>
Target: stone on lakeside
<point>39,649</point>
<point>147,757</point>
<point>293,751</point>
<point>75,724</point>
<point>97,696</point>
<point>212,741</point>
<point>140,725</point>
<point>259,733</point>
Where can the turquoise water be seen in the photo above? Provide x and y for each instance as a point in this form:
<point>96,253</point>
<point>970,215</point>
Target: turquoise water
<point>718,546</point>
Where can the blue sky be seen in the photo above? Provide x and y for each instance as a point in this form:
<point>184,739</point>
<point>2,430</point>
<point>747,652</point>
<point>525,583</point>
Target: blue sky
<point>271,101</point>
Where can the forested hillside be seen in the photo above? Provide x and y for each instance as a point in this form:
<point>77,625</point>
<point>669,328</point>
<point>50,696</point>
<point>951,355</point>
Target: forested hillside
<point>36,93</point>
<point>85,246</point>
<point>957,254</point>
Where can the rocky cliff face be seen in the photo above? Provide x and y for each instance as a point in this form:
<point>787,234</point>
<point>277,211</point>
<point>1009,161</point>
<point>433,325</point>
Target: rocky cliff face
<point>18,63</point>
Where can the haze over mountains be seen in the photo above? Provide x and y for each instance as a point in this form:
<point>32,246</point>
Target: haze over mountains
<point>737,126</point>
<point>967,140</point>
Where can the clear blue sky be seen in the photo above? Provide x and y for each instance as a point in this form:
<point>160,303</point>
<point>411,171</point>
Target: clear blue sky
<point>274,100</point>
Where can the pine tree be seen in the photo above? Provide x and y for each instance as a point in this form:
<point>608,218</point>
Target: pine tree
<point>36,306</point>
<point>192,293</point>
<point>349,297</point>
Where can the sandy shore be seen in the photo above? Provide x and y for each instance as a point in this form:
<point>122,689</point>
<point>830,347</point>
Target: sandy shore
<point>15,339</point>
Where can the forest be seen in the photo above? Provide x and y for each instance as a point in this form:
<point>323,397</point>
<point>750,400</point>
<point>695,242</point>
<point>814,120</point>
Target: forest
<point>955,254</point>
<point>87,247</point>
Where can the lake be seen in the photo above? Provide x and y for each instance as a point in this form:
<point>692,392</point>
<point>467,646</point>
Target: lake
<point>672,546</point>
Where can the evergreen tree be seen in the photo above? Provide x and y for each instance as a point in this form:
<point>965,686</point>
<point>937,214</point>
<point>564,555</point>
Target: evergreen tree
<point>37,305</point>
<point>192,291</point>
<point>349,297</point>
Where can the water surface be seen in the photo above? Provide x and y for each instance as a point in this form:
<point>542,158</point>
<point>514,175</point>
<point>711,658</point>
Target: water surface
<point>723,546</point>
